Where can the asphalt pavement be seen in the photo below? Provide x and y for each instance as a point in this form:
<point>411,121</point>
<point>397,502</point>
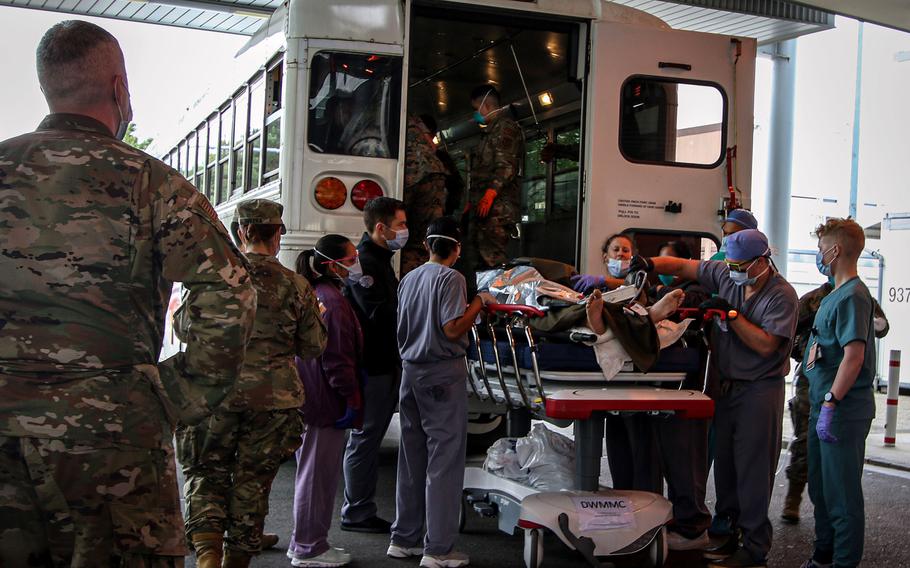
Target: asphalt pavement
<point>887,493</point>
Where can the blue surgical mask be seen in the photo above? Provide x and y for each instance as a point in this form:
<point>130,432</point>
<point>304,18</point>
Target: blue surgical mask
<point>479,118</point>
<point>618,268</point>
<point>401,239</point>
<point>825,269</point>
<point>723,244</point>
<point>665,279</point>
<point>742,278</point>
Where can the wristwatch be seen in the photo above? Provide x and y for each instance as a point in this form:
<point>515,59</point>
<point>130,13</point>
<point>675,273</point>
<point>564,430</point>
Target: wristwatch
<point>829,397</point>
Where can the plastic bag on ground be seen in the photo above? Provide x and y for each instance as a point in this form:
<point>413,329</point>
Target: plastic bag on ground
<point>548,457</point>
<point>502,460</point>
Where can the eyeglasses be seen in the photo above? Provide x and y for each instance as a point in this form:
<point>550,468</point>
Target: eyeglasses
<point>741,266</point>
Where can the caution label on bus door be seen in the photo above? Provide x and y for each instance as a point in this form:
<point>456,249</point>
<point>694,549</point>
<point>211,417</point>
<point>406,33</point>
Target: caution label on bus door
<point>603,513</point>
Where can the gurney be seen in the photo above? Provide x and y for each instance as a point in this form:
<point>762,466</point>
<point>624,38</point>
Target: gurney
<point>554,378</point>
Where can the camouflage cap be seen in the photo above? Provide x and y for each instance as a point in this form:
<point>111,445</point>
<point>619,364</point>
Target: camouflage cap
<point>259,212</point>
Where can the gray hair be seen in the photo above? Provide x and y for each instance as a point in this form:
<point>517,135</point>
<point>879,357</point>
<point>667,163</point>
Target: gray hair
<point>76,61</point>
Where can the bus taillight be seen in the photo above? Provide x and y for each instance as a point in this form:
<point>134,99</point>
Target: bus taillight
<point>364,191</point>
<point>331,193</point>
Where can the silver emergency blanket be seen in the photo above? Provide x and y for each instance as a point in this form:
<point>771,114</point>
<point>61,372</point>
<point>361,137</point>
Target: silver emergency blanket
<point>525,285</point>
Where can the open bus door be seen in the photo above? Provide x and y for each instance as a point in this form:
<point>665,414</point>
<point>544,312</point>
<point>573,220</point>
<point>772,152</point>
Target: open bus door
<point>663,108</point>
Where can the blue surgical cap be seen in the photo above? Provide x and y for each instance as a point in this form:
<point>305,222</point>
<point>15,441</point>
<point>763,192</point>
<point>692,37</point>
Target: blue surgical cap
<point>746,245</point>
<point>742,218</point>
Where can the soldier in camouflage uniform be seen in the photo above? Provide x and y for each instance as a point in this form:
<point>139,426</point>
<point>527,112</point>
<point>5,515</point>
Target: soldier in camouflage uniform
<point>798,469</point>
<point>231,459</point>
<point>93,233</point>
<point>495,179</point>
<point>424,191</point>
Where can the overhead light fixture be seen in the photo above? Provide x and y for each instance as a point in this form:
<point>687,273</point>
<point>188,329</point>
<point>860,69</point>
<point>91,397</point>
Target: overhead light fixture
<point>545,98</point>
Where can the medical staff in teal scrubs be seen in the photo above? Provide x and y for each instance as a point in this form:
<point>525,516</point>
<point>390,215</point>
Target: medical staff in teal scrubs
<point>839,362</point>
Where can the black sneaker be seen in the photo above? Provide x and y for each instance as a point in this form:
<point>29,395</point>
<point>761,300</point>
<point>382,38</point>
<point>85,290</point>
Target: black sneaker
<point>371,525</point>
<point>741,559</point>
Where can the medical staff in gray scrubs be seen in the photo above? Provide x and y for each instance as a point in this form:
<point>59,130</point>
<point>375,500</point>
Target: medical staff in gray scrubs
<point>433,321</point>
<point>749,352</point>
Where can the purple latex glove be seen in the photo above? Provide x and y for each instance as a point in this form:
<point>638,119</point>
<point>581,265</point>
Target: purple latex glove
<point>823,426</point>
<point>347,420</point>
<point>585,282</point>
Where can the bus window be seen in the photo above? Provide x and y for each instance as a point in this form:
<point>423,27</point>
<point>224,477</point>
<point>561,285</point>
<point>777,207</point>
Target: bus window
<point>212,157</point>
<point>354,104</point>
<point>272,149</point>
<point>274,95</point>
<point>191,156</point>
<point>240,130</point>
<point>550,194</point>
<point>534,182</point>
<point>672,122</point>
<point>649,242</point>
<point>200,157</point>
<point>257,114</point>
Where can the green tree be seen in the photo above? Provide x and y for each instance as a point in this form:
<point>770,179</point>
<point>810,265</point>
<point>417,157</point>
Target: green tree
<point>131,139</point>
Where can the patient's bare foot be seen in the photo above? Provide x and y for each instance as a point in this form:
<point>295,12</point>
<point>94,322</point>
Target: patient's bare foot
<point>666,306</point>
<point>595,308</point>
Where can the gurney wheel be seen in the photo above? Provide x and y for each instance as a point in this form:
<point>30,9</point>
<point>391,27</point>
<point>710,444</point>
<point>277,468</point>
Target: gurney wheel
<point>533,550</point>
<point>657,551</point>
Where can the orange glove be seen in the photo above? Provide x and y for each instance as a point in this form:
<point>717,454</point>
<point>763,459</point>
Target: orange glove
<point>485,203</point>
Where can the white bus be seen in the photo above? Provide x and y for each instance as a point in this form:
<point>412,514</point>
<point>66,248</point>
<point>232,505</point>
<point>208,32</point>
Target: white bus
<point>656,113</point>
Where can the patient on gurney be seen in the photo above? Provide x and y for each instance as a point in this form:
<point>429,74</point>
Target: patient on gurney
<point>633,337</point>
<point>658,312</point>
<point>624,332</point>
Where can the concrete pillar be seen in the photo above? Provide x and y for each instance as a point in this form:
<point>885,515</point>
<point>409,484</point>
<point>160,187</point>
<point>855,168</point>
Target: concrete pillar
<point>780,156</point>
<point>857,104</point>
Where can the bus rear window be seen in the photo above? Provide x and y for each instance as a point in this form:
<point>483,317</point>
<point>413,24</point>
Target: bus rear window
<point>354,104</point>
<point>672,122</point>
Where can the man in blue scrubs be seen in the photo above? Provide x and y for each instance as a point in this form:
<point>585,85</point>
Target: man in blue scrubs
<point>839,362</point>
<point>750,354</point>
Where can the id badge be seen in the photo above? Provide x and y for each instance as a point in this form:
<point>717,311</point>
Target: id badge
<point>815,354</point>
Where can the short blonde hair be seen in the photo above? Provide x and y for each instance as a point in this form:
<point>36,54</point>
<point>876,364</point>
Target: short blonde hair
<point>845,232</point>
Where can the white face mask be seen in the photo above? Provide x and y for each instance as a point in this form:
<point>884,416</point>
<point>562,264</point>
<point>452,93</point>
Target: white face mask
<point>618,268</point>
<point>401,239</point>
<point>125,116</point>
<point>355,272</point>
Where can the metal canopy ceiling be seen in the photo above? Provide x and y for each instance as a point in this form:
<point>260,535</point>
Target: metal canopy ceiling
<point>891,13</point>
<point>230,16</point>
<point>766,20</point>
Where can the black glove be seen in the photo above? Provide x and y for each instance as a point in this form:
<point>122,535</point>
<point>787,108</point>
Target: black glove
<point>641,263</point>
<point>716,303</point>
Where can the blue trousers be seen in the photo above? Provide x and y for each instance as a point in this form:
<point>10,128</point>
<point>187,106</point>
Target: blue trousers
<point>433,409</point>
<point>749,419</point>
<point>836,490</point>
